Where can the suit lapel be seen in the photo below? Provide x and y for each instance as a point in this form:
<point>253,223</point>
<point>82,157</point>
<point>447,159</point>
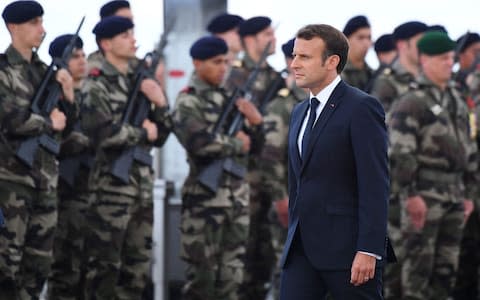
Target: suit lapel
<point>332,103</point>
<point>294,131</point>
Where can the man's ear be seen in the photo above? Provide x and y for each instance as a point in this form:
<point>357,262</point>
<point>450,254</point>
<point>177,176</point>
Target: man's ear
<point>333,61</point>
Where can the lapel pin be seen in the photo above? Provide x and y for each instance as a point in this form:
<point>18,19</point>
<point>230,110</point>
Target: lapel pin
<point>332,105</point>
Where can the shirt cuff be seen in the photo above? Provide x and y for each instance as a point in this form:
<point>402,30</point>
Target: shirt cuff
<point>378,257</point>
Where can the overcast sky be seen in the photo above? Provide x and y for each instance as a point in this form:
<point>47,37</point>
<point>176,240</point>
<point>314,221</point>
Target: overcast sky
<point>63,16</point>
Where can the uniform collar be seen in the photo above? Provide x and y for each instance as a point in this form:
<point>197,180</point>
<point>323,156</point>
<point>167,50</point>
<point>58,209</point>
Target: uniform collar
<point>15,58</point>
<point>199,84</point>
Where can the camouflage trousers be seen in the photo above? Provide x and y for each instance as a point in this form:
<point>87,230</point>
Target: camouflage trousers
<point>119,246</point>
<point>260,257</point>
<point>431,255</point>
<point>68,269</point>
<point>467,285</point>
<point>279,236</point>
<point>393,272</point>
<point>26,241</point>
<point>213,246</point>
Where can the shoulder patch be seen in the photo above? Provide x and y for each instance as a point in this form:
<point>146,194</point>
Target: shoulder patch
<point>95,72</point>
<point>188,90</point>
<point>283,92</point>
<point>237,63</point>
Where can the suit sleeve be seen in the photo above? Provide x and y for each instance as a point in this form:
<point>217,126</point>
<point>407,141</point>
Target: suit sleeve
<point>369,142</point>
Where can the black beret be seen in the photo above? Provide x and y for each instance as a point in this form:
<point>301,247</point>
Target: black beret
<point>287,48</point>
<point>253,25</point>
<point>223,23</point>
<point>354,24</point>
<point>408,30</point>
<point>111,26</point>
<point>384,43</point>
<point>467,39</point>
<point>110,8</point>
<point>208,47</point>
<point>21,11</point>
<point>437,27</point>
<point>435,42</point>
<point>60,43</point>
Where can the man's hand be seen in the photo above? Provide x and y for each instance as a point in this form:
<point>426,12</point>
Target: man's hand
<point>417,210</point>
<point>66,81</point>
<point>152,130</point>
<point>59,121</point>
<point>152,90</point>
<point>467,208</point>
<point>245,141</point>
<point>281,207</point>
<point>248,109</point>
<point>363,268</point>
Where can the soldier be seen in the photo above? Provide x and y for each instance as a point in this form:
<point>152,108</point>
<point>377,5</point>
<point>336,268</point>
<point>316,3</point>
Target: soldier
<point>357,72</point>
<point>74,197</point>
<point>256,34</point>
<point>214,226</point>
<point>468,58</point>
<point>385,49</point>
<point>29,194</point>
<point>112,8</point>
<point>274,160</point>
<point>433,161</point>
<point>122,214</point>
<point>225,26</point>
<point>396,80</point>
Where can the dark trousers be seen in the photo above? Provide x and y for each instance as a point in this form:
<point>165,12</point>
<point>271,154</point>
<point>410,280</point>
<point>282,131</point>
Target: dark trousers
<point>302,281</point>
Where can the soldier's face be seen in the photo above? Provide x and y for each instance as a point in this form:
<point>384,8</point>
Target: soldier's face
<point>122,45</point>
<point>359,42</point>
<point>311,69</point>
<point>212,70</point>
<point>467,58</point>
<point>438,68</point>
<point>124,12</point>
<point>263,38</point>
<point>77,65</point>
<point>411,48</point>
<point>30,34</point>
<point>232,39</point>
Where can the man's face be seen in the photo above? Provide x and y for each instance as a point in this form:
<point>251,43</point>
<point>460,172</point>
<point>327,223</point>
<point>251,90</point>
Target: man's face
<point>124,12</point>
<point>232,39</point>
<point>78,65</point>
<point>263,38</point>
<point>30,33</point>
<point>122,45</point>
<point>411,48</point>
<point>359,42</point>
<point>438,68</point>
<point>212,70</point>
<point>311,70</point>
<point>467,57</point>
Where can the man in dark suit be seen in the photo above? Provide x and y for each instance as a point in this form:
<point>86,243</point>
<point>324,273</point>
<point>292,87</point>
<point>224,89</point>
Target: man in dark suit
<point>338,179</point>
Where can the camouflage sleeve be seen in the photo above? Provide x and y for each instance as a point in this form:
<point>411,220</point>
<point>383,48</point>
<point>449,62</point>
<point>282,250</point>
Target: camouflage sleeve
<point>99,123</point>
<point>472,174</point>
<point>405,126</point>
<point>384,91</point>
<point>193,128</point>
<point>163,119</point>
<point>274,153</point>
<point>17,120</point>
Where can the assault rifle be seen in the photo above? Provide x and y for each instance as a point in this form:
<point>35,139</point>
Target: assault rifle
<point>44,101</point>
<point>137,110</point>
<point>209,176</point>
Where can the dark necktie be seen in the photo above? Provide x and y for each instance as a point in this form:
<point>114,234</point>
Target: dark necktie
<point>311,120</point>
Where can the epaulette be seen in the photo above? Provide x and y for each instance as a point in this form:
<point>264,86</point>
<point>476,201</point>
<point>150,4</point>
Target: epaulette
<point>95,72</point>
<point>237,63</point>
<point>283,92</point>
<point>188,90</point>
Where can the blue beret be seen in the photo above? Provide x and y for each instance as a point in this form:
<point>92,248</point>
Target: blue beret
<point>111,26</point>
<point>223,23</point>
<point>253,26</point>
<point>21,11</point>
<point>407,30</point>
<point>470,38</point>
<point>60,43</point>
<point>354,24</point>
<point>110,8</point>
<point>435,43</point>
<point>287,48</point>
<point>208,47</point>
<point>437,27</point>
<point>384,43</point>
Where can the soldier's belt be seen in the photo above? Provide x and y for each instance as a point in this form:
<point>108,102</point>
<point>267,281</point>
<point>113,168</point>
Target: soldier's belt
<point>439,176</point>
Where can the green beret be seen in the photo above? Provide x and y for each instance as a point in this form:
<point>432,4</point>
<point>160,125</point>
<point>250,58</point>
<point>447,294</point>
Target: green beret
<point>435,43</point>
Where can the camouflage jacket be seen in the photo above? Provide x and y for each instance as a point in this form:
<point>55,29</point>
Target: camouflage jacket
<point>432,153</point>
<point>106,94</point>
<point>19,80</point>
<point>358,78</point>
<point>393,82</point>
<point>196,112</point>
<point>276,123</point>
<point>95,61</point>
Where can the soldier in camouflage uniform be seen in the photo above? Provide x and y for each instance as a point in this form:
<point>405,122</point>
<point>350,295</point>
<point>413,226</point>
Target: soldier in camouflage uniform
<point>74,197</point>
<point>357,72</point>
<point>274,161</point>
<point>433,165</point>
<point>394,81</point>
<point>27,195</point>
<point>121,217</point>
<point>214,226</point>
<point>225,26</point>
<point>256,33</point>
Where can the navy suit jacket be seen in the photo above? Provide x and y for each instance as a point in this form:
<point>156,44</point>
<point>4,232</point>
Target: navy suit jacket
<point>338,191</point>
